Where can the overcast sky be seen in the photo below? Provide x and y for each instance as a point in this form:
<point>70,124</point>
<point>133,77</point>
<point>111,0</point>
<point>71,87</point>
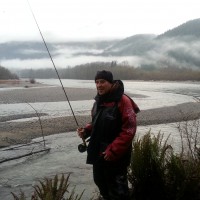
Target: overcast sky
<point>63,20</point>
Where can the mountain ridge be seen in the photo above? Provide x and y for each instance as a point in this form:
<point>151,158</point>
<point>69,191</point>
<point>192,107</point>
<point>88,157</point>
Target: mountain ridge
<point>178,47</point>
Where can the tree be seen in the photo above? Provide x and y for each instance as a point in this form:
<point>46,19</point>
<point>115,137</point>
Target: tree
<point>6,74</point>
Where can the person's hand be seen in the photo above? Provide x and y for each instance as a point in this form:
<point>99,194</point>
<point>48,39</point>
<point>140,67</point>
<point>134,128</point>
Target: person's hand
<point>106,156</point>
<point>81,132</point>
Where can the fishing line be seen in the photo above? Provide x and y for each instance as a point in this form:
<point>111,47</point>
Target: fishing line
<point>84,142</point>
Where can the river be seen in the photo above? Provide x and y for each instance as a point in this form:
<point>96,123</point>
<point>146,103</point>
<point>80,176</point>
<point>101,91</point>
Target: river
<point>64,156</point>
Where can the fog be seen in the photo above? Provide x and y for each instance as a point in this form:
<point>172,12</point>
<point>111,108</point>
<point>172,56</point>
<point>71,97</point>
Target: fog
<point>63,57</point>
<point>182,52</point>
<point>174,52</point>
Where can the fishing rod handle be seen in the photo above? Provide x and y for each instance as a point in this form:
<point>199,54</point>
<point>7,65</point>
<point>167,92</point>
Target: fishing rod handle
<point>81,132</point>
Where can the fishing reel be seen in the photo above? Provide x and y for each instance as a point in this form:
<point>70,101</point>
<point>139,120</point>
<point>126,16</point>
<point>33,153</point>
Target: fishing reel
<point>83,146</point>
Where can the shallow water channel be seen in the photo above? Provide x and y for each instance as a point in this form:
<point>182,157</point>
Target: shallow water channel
<point>64,156</point>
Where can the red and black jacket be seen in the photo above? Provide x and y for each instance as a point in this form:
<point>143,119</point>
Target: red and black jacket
<point>113,126</point>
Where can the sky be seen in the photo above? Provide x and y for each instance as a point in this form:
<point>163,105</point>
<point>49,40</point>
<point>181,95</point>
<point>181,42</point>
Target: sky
<point>66,20</point>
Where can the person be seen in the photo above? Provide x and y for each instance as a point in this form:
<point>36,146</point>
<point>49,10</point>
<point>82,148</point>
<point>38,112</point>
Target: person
<point>111,133</point>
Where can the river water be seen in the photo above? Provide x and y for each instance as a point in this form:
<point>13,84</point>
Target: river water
<point>158,94</point>
<point>64,156</point>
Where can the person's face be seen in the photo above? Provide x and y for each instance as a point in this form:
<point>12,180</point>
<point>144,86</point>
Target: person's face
<point>103,86</point>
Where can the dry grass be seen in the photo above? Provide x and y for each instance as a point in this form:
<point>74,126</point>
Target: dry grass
<point>11,81</point>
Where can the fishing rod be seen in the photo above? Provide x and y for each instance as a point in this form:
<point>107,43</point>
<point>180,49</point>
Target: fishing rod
<point>81,147</point>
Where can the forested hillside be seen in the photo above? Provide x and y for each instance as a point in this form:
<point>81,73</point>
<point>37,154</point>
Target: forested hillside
<point>121,71</point>
<point>190,28</point>
<point>6,74</point>
<point>177,48</point>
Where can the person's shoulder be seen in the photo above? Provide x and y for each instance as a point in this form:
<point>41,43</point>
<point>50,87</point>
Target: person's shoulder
<point>125,98</point>
<point>128,101</point>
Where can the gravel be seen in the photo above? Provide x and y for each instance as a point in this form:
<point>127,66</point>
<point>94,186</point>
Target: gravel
<point>20,132</point>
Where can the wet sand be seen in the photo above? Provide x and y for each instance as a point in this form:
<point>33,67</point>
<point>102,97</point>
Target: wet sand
<point>22,132</point>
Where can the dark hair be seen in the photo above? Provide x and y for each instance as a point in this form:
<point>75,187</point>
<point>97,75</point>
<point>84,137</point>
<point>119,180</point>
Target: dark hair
<point>106,75</point>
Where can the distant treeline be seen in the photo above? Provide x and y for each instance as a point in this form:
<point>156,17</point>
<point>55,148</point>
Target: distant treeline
<point>6,74</point>
<point>120,71</point>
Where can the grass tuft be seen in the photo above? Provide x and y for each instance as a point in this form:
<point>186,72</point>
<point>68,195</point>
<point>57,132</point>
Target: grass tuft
<point>51,189</point>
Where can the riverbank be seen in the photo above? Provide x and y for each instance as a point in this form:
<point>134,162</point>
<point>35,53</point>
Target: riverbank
<point>18,83</point>
<point>15,132</point>
<point>22,132</point>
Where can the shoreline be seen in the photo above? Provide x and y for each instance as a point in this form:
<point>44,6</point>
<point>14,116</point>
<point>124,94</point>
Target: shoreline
<point>22,132</point>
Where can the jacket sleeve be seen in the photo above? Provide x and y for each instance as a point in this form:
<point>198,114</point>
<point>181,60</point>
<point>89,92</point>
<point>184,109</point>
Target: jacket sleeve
<point>88,130</point>
<point>122,143</point>
<point>88,126</point>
